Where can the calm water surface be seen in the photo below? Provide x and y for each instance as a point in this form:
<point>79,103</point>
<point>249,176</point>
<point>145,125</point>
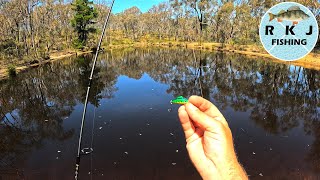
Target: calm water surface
<point>272,109</point>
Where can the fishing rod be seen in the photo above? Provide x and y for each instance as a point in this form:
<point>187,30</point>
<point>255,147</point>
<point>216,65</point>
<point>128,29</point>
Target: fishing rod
<point>88,92</point>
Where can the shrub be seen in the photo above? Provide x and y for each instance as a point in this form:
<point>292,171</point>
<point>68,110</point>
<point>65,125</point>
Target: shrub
<point>78,44</point>
<point>12,70</point>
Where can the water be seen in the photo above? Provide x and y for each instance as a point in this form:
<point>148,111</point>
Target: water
<point>272,109</point>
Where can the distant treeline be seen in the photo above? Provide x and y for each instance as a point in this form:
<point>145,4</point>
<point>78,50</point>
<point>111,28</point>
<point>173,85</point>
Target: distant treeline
<point>34,28</point>
<point>223,21</point>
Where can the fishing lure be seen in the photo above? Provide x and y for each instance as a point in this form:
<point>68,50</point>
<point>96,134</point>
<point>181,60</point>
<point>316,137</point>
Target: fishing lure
<point>179,100</point>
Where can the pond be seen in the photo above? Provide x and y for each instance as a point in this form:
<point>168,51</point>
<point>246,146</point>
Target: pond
<point>272,110</point>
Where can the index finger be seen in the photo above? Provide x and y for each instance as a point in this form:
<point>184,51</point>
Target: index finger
<point>207,107</point>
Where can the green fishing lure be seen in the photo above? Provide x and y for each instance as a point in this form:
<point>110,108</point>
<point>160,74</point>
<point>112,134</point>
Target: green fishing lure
<point>179,100</point>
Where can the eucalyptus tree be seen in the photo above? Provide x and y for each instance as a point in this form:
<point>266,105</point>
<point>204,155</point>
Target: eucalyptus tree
<point>201,9</point>
<point>223,19</point>
<point>130,19</point>
<point>30,28</point>
<point>178,18</point>
<point>161,19</point>
<point>12,20</point>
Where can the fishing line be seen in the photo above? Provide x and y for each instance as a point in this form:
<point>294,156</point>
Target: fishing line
<point>88,92</point>
<point>198,77</point>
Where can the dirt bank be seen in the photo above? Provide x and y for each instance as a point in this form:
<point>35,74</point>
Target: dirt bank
<point>53,57</point>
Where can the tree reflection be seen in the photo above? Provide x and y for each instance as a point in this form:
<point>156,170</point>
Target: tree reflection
<point>103,80</point>
<point>279,97</point>
<point>34,105</point>
<point>273,92</point>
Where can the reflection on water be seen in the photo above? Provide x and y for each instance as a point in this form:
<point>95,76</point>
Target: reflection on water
<point>273,111</point>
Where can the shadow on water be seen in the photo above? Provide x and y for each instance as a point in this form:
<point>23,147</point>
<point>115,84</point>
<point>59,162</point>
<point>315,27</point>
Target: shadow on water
<point>273,111</point>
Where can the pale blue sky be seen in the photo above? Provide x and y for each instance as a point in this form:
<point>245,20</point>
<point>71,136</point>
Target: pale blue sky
<point>143,5</point>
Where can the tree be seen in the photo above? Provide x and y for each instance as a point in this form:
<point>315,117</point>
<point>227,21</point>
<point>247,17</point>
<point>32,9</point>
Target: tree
<point>130,19</point>
<point>161,19</point>
<point>201,8</point>
<point>83,18</point>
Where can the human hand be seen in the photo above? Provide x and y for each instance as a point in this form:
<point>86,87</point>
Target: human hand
<point>209,140</point>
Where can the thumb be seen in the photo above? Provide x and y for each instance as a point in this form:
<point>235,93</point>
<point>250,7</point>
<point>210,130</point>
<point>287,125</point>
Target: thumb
<point>203,120</point>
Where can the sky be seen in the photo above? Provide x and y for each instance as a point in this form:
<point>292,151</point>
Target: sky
<point>143,5</point>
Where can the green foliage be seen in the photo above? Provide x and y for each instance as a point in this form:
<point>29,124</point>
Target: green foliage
<point>78,44</point>
<point>81,60</point>
<point>12,70</point>
<point>83,18</point>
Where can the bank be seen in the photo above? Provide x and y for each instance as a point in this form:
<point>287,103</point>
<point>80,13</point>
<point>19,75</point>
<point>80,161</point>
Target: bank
<point>53,57</point>
<point>311,61</point>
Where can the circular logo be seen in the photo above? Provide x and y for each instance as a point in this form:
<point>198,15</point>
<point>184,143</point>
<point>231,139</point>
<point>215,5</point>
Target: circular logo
<point>288,31</point>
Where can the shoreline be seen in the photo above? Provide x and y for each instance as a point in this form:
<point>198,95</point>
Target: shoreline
<point>53,57</point>
<point>310,61</point>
